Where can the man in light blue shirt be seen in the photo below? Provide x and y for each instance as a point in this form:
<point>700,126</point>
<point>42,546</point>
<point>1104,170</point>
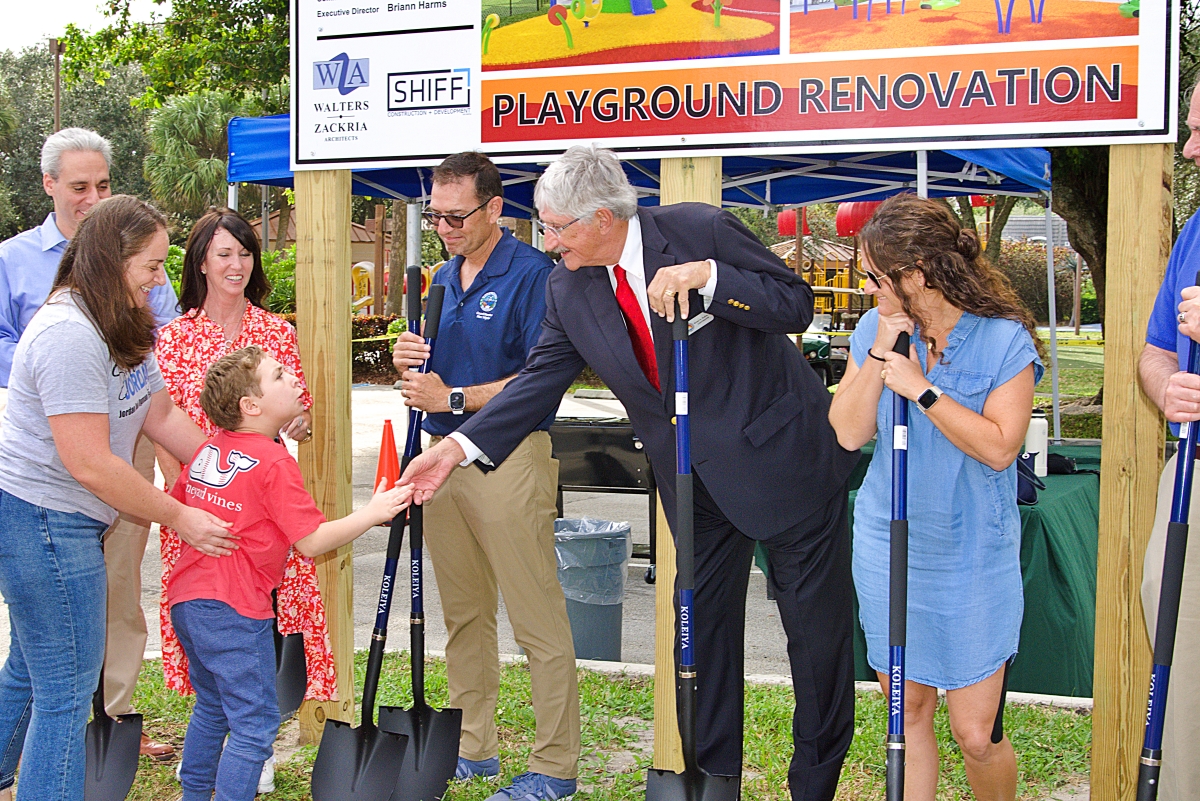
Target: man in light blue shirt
<point>75,173</point>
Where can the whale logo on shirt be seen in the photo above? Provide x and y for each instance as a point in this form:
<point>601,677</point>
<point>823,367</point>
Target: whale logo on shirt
<point>206,467</point>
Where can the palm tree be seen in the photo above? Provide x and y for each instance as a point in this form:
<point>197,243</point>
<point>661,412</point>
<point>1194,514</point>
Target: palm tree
<point>188,151</point>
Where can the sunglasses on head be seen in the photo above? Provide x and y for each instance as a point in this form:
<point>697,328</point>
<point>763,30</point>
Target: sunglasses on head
<point>453,220</point>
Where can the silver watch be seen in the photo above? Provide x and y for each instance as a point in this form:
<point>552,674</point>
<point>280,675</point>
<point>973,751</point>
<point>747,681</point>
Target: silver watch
<point>458,401</point>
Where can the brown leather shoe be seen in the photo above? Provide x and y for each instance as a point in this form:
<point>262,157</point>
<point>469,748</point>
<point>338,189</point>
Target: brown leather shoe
<point>159,752</point>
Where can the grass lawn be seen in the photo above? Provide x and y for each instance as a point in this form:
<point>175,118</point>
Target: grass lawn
<point>1052,744</point>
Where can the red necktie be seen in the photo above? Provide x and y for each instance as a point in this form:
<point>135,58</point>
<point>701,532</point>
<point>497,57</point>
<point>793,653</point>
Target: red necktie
<point>639,332</point>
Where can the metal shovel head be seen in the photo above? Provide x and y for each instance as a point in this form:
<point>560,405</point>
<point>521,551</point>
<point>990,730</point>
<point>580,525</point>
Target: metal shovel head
<point>432,754</point>
<point>357,764</point>
<point>112,749</point>
<point>291,673</point>
<point>693,784</point>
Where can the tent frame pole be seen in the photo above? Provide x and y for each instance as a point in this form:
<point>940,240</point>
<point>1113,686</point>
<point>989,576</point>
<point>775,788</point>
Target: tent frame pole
<point>1052,305</point>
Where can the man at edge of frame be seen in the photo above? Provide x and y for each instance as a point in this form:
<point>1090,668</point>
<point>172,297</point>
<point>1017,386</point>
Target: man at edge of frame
<point>1162,366</point>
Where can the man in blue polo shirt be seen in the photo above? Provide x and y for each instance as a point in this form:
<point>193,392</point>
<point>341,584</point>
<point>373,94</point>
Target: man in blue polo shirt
<point>1174,325</point>
<point>75,173</point>
<point>491,530</point>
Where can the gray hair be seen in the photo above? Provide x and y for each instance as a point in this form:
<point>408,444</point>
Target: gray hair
<point>584,180</point>
<point>72,140</point>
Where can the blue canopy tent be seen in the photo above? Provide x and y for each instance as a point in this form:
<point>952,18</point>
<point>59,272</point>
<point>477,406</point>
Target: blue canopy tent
<point>258,154</point>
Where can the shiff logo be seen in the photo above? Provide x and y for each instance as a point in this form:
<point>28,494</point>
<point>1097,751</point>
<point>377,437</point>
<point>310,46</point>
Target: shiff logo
<point>342,73</point>
<point>488,301</point>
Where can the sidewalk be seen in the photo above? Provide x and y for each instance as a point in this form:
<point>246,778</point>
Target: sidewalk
<point>766,651</point>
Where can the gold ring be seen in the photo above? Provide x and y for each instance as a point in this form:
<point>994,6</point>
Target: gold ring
<point>883,374</point>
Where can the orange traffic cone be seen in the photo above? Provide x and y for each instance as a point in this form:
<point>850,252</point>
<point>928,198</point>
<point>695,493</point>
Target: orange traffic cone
<point>389,461</point>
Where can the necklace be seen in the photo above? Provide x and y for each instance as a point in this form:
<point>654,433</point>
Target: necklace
<point>232,326</point>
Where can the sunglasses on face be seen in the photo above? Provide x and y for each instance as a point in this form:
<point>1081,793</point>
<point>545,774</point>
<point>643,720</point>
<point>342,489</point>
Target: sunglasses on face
<point>878,277</point>
<point>434,218</point>
<point>557,230</point>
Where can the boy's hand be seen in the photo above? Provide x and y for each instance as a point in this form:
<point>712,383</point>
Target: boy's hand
<point>205,532</point>
<point>429,470</point>
<point>387,503</point>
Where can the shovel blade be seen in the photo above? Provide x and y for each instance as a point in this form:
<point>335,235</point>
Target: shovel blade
<point>432,755</point>
<point>357,764</point>
<point>112,749</point>
<point>291,674</point>
<point>691,785</point>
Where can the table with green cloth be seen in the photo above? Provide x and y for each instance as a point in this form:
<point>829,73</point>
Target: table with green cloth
<point>1058,568</point>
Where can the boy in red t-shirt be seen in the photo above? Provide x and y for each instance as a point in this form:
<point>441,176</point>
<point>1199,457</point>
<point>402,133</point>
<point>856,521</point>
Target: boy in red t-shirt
<point>221,606</point>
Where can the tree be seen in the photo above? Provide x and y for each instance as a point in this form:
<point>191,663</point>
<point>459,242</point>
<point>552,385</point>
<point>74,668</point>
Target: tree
<point>965,212</point>
<point>236,46</point>
<point>188,151</point>
<point>29,79</point>
<point>1187,174</point>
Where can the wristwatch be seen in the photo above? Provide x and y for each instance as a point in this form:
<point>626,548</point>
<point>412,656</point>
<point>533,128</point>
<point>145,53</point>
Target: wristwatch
<point>458,400</point>
<point>928,398</point>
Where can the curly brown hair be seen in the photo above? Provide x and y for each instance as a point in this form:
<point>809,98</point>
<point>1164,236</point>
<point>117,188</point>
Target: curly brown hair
<point>909,231</point>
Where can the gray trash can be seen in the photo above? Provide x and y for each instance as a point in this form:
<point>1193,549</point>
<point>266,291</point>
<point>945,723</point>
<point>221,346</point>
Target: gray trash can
<point>593,556</point>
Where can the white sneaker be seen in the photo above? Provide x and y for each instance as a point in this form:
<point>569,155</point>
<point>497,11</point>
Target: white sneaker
<point>266,780</point>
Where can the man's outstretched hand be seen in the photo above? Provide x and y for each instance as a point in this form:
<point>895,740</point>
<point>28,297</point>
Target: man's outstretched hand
<point>430,470</point>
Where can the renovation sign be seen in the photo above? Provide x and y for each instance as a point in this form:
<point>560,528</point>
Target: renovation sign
<point>710,77</point>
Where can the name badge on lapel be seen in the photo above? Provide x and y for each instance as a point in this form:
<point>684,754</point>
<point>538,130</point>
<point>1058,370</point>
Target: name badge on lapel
<point>698,322</point>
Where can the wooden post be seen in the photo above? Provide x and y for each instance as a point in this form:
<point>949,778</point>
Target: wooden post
<point>1139,242</point>
<point>323,326</point>
<point>697,179</point>
<point>377,298</point>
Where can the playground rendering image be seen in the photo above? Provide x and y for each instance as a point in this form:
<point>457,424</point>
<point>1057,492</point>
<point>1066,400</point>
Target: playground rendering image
<point>843,25</point>
<point>586,32</point>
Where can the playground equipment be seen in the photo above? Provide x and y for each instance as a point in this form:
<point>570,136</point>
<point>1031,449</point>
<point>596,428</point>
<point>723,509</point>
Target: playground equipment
<point>491,23</point>
<point>558,16</point>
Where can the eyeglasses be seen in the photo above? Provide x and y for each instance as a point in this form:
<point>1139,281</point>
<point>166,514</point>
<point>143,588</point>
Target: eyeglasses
<point>434,218</point>
<point>878,277</point>
<point>557,230</point>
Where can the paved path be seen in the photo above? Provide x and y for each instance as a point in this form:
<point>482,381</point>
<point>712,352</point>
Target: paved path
<point>766,651</point>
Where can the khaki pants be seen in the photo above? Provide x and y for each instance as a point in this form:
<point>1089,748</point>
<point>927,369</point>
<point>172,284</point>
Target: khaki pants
<point>1180,777</point>
<point>494,530</point>
<point>124,547</point>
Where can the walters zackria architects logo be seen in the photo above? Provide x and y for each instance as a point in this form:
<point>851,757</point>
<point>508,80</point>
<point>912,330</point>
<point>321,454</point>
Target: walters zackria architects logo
<point>342,73</point>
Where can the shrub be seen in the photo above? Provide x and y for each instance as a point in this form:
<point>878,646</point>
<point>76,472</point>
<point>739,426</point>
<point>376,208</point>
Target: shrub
<point>1089,309</point>
<point>1024,264</point>
<point>280,267</point>
<point>173,266</point>
<point>372,359</point>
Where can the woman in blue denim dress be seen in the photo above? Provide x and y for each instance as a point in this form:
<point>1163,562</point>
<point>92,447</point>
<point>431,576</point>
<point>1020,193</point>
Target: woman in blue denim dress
<point>969,376</point>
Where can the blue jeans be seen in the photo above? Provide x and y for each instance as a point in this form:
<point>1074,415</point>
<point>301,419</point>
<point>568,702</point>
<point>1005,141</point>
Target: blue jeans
<point>52,578</point>
<point>231,662</point>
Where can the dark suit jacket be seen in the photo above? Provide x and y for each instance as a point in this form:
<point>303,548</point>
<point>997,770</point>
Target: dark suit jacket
<point>761,439</point>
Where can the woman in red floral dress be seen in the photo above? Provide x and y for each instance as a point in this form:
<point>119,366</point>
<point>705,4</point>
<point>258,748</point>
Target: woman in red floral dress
<point>221,296</point>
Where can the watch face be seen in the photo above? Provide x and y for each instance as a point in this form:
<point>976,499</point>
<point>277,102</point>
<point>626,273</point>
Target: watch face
<point>927,399</point>
<point>457,401</point>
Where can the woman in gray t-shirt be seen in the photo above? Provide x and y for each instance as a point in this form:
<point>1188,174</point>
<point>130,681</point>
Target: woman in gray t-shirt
<point>84,383</point>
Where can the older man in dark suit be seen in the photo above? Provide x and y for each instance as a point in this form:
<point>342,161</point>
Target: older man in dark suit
<point>767,465</point>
